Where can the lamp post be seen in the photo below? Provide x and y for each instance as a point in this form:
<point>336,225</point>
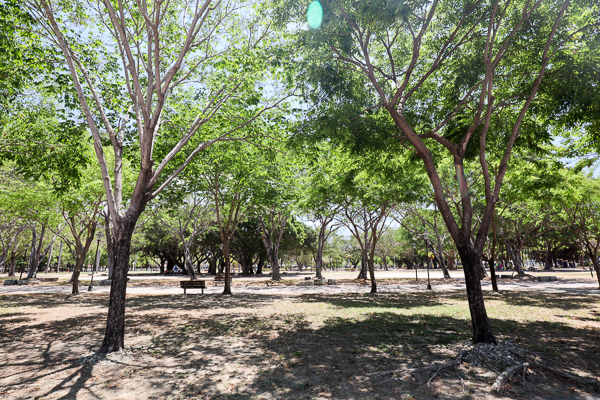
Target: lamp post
<point>428,261</point>
<point>414,246</point>
<point>97,259</point>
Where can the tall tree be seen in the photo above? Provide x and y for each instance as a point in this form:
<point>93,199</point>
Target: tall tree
<point>452,79</point>
<point>130,64</point>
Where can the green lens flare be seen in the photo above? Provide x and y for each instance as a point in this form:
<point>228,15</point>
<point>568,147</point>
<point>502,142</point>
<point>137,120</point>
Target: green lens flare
<point>314,16</point>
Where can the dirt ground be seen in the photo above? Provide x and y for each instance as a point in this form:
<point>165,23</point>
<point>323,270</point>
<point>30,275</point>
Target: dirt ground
<point>342,346</point>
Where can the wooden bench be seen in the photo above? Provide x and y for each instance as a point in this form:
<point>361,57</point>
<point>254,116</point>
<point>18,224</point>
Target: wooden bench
<point>221,278</point>
<point>192,285</point>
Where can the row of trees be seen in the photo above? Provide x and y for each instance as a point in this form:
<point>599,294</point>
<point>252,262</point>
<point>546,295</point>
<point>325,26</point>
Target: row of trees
<point>396,102</point>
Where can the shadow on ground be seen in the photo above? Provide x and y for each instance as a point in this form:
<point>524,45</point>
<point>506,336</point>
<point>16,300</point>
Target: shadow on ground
<point>277,347</point>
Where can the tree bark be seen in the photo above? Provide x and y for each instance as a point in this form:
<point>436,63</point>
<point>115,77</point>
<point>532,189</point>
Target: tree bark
<point>259,265</point>
<point>482,329</point>
<point>114,337</point>
<point>59,257</point>
<point>11,268</point>
<point>188,261</point>
<point>319,257</point>
<point>227,288</point>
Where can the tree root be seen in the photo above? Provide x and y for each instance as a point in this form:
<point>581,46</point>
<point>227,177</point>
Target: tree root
<point>510,371</point>
<point>578,379</point>
<point>438,368</point>
<point>506,375</point>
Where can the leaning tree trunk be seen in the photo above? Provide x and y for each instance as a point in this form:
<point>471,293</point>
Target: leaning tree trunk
<point>114,337</point>
<point>372,275</point>
<point>363,269</point>
<point>513,254</point>
<point>596,266</point>
<point>482,329</point>
<point>76,272</point>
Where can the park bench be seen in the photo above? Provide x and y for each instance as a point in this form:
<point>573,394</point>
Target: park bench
<point>221,278</point>
<point>192,285</point>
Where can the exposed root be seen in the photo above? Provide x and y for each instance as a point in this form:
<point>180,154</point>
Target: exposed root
<point>578,379</point>
<point>503,378</point>
<point>438,368</point>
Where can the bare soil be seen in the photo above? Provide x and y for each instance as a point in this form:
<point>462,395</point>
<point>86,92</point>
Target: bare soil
<point>343,346</point>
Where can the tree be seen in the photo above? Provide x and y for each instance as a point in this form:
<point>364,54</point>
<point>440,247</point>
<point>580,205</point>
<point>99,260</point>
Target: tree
<point>457,78</point>
<point>578,210</point>
<point>131,64</point>
<point>320,191</point>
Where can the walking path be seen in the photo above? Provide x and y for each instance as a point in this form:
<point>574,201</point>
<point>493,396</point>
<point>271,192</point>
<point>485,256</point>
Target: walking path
<point>557,287</point>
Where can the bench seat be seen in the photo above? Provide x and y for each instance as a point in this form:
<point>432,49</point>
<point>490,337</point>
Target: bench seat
<point>192,285</point>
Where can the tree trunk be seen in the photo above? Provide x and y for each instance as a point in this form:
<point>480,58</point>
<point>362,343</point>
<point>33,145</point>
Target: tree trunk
<point>227,289</point>
<point>50,256</point>
<point>363,269</point>
<point>31,272</point>
<point>114,337</point>
<point>109,247</point>
<point>188,262</point>
<point>76,272</point>
<point>493,253</point>
<point>275,275</point>
<point>212,266</point>
<point>259,265</point>
<point>372,275</point>
<point>319,258</point>
<point>59,257</point>
<point>548,259</point>
<point>513,254</point>
<point>384,262</point>
<point>11,268</point>
<point>482,329</point>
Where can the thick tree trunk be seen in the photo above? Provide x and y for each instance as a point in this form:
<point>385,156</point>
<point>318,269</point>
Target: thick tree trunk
<point>247,266</point>
<point>372,276</point>
<point>482,329</point>
<point>384,262</point>
<point>259,265</point>
<point>273,258</point>
<point>227,288</point>
<point>11,268</point>
<point>363,269</point>
<point>76,272</point>
<point>212,267</point>
<point>114,337</point>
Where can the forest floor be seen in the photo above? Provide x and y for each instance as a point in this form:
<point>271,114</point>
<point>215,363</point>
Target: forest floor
<point>327,346</point>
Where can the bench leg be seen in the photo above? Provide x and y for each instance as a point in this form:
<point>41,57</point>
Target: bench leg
<point>202,290</point>
<point>184,291</point>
